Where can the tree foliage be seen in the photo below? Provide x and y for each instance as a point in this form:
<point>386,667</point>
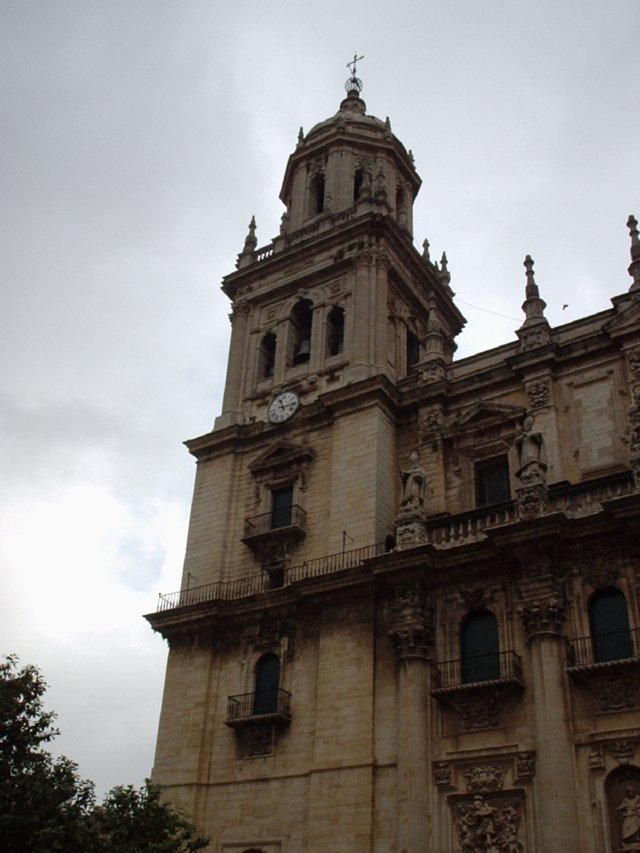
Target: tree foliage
<point>45,807</point>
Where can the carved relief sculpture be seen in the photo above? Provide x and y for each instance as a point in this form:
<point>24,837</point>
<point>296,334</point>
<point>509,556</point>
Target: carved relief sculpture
<point>487,825</point>
<point>538,393</point>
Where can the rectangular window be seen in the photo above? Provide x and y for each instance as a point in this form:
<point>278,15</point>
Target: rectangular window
<point>281,504</point>
<point>492,481</point>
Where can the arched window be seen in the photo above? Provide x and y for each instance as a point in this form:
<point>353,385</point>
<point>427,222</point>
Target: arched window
<point>609,621</point>
<point>335,330</point>
<point>479,647</point>
<point>300,344</point>
<point>316,194</point>
<point>265,700</point>
<point>267,356</point>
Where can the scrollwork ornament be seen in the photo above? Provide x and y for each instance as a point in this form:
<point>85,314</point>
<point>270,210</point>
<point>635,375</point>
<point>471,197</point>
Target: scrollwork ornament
<point>485,777</point>
<point>442,774</point>
<point>258,740</point>
<point>600,568</point>
<point>622,750</point>
<point>525,764</point>
<point>538,393</point>
<point>633,360</point>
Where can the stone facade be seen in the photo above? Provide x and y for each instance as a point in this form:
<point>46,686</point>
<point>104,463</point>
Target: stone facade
<point>416,620</point>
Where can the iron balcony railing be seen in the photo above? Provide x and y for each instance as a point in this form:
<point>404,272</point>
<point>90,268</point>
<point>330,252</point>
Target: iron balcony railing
<point>442,533</point>
<point>258,525</point>
<point>264,705</point>
<point>253,585</point>
<point>604,648</point>
<point>463,672</point>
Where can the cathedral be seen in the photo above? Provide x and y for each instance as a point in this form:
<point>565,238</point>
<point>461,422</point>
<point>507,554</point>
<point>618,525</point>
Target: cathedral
<point>408,619</point>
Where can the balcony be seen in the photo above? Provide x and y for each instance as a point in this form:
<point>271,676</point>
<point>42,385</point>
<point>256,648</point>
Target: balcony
<point>272,706</point>
<point>477,687</point>
<point>609,665</point>
<point>277,528</point>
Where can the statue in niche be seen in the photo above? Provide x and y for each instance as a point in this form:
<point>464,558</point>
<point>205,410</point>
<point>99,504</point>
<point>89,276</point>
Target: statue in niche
<point>630,808</point>
<point>531,454</point>
<point>414,485</point>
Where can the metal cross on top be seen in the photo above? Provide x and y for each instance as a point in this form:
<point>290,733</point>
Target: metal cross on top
<point>352,65</point>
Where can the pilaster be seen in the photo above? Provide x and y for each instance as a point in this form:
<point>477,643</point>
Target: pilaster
<point>410,629</point>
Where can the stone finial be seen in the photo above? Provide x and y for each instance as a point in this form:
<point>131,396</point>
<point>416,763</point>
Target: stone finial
<point>445,275</point>
<point>300,137</point>
<point>425,250</point>
<point>387,127</point>
<point>634,266</point>
<point>246,256</point>
<point>535,331</point>
<point>533,306</point>
<point>251,241</point>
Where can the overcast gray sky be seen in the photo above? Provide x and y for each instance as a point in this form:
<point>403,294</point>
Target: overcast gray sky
<point>138,138</point>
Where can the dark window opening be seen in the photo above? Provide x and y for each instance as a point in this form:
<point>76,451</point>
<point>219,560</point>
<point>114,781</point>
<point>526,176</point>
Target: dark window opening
<point>265,700</point>
<point>413,350</point>
<point>492,481</point>
<point>609,621</point>
<point>479,648</point>
<point>281,504</point>
<point>316,195</point>
<point>357,184</point>
<point>335,330</point>
<point>301,319</point>
<point>267,357</point>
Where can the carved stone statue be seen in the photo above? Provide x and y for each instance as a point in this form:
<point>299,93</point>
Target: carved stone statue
<point>414,485</point>
<point>630,808</point>
<point>532,457</point>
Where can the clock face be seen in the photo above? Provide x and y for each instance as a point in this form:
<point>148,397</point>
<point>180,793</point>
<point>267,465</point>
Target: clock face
<point>283,406</point>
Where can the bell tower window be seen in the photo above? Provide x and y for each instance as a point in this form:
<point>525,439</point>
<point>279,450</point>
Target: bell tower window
<point>335,331</point>
<point>357,184</point>
<point>413,350</point>
<point>301,318</point>
<point>316,195</point>
<point>267,356</point>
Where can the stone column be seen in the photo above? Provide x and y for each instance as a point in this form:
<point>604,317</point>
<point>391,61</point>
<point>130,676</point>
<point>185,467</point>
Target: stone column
<point>410,629</point>
<point>557,824</point>
<point>234,386</point>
